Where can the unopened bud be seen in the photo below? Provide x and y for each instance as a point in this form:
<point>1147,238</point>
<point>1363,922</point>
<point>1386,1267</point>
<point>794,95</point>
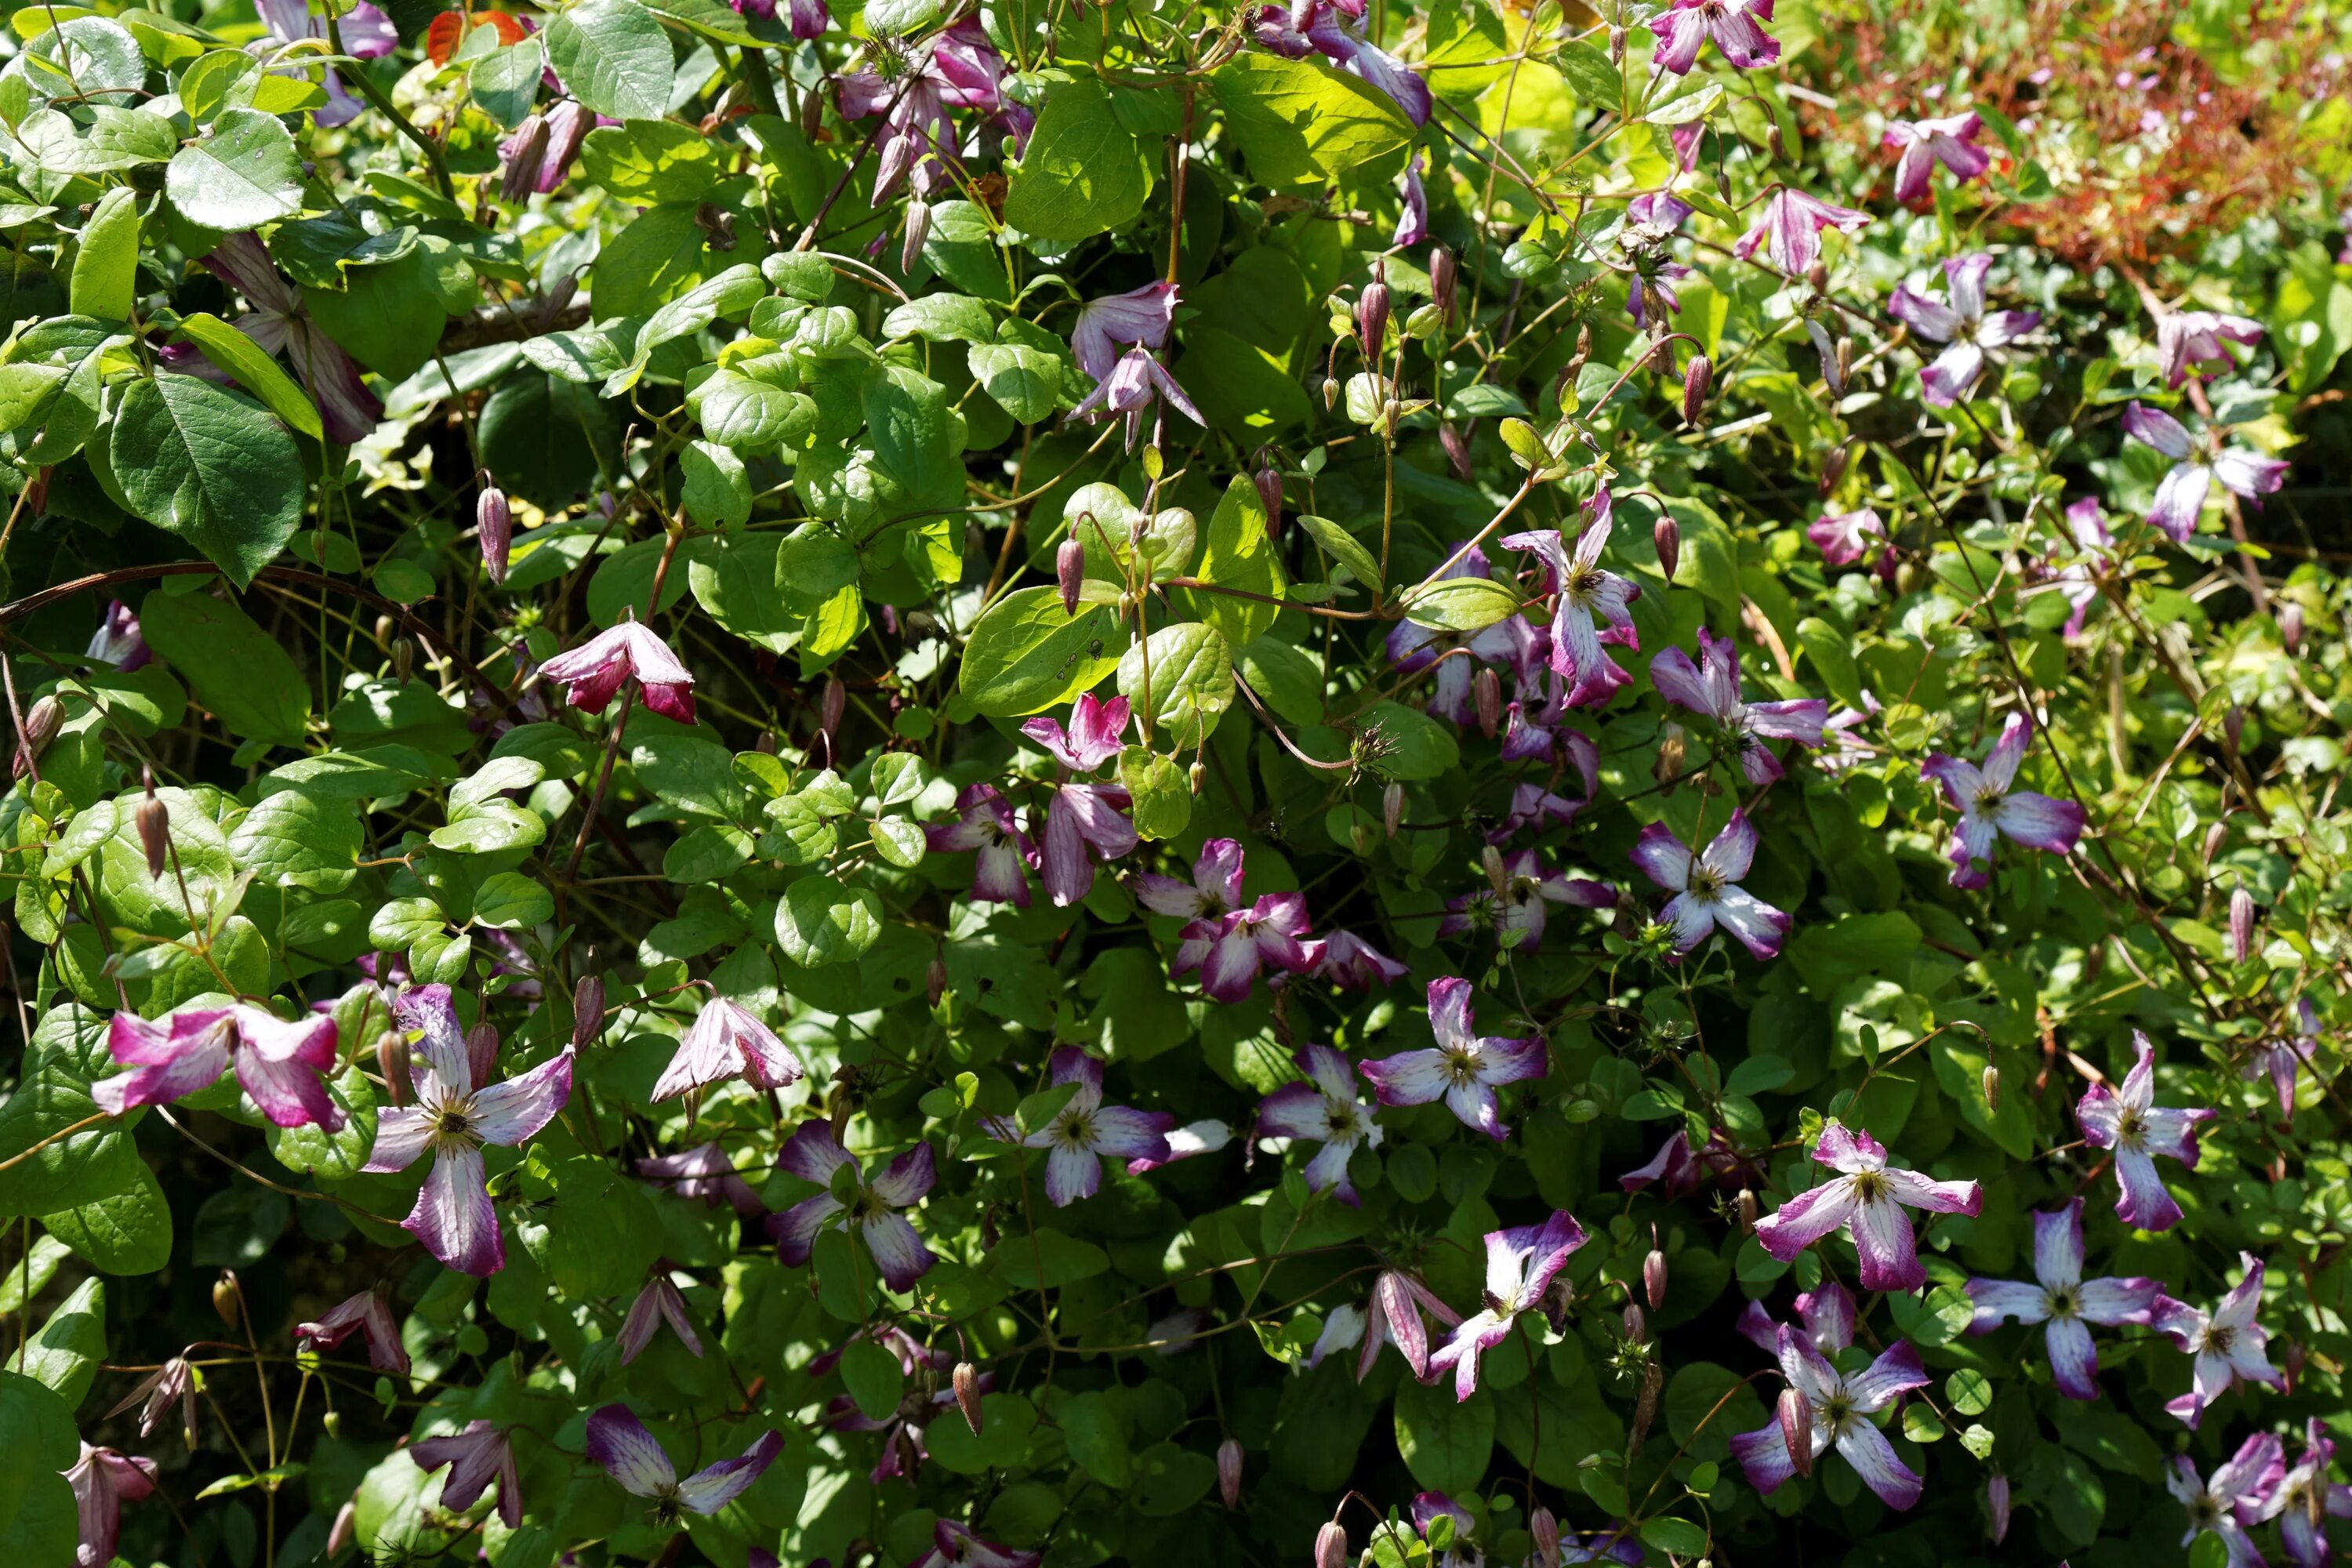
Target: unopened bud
<point>1637,1324</point>
<point>1747,1202</point>
<point>1372,320</point>
<point>1546,1530</point>
<point>829,706</point>
<point>1444,274</point>
<point>339,1534</point>
<point>1666,534</point>
<point>1991,1086</point>
<point>494,530</point>
<point>812,114</point>
<point>1845,362</point>
<point>1392,807</point>
<point>526,150</point>
<point>1818,275</point>
<point>2214,836</point>
<point>1268,479</point>
<point>1796,1412</point>
<point>37,493</point>
<point>482,1052</point>
<point>1229,1472</point>
<point>919,229</point>
<point>1577,360</point>
<point>2290,622</point>
<point>1772,140</point>
<point>1997,1505</point>
<point>1696,383</point>
<point>1330,392</point>
<point>225,1297</point>
<point>42,722</point>
<point>1832,470</point>
<point>1331,1546</point>
<point>2233,725</point>
<point>587,1011</point>
<point>1070,572</point>
<point>391,1061</point>
<point>2241,925</point>
<point>1196,775</point>
<point>1722,182</point>
<point>1654,1278</point>
<point>1457,450</point>
<point>935,980</point>
<point>404,660</point>
<point>965,1380</point>
<point>1616,46</point>
<point>155,832</point>
<point>1487,696</point>
<point>1646,1405</point>
<point>1491,859</point>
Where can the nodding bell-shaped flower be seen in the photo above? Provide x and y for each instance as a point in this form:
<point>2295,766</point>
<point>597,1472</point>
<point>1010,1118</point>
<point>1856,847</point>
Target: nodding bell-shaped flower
<point>1951,141</point>
<point>657,1303</point>
<point>1140,317</point>
<point>705,1172</point>
<point>595,670</point>
<point>1790,229</point>
<point>475,1456</point>
<point>620,1445</point>
<point>369,1313</point>
<point>728,1041</point>
<point>102,1481</point>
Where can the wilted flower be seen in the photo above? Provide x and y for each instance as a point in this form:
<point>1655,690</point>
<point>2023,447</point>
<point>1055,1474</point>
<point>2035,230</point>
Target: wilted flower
<point>2232,1500</point>
<point>2130,1122</point>
<point>1706,888</point>
<point>659,1303</point>
<point>174,1383</point>
<point>1845,537</point>
<point>1961,323</point>
<point>1322,1109</point>
<point>985,822</point>
<point>595,670</point>
<point>1840,1406</point>
<point>2190,342</point>
<point>1351,962</point>
<point>1868,1196</point>
<point>728,1041</point>
<point>872,1207</point>
<point>1086,1130</point>
<point>1464,1068</point>
<point>1685,25</point>
<point>2228,1343</point>
<point>277,1063</point>
<point>1392,1315</point>
<point>1711,688</point>
<point>619,1443</point>
<point>1521,1264</point>
<point>2064,1300</point>
<point>475,1456</point>
<point>277,324</point>
<point>1790,229</point>
<point>102,1481</point>
<point>2181,495</point>
<point>368,1312</point>
<point>1951,141</point>
<point>705,1172</point>
<point>1989,810</point>
<point>1583,590</point>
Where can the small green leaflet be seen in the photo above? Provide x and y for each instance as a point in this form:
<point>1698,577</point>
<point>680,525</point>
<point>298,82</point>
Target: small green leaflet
<point>245,173</point>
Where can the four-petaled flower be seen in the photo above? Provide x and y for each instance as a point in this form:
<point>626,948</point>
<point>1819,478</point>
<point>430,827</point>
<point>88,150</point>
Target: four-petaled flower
<point>1322,1109</point>
<point>1136,381</point>
<point>1464,1068</point>
<point>2305,1495</point>
<point>102,1481</point>
<point>1683,26</point>
<point>2228,1343</point>
<point>1082,816</point>
<point>1711,687</point>
<point>1842,1406</point>
<point>1868,1195</point>
<point>1705,887</point>
<point>619,1443</point>
<point>1990,810</point>
<point>1231,948</point>
<point>728,1041</point>
<point>1000,873</point>
<point>277,324</point>
<point>368,1311</point>
<point>657,1303</point>
<point>1086,1130</point>
<point>1520,1263</point>
<point>1583,590</point>
<point>475,1456</point>
<point>2064,1300</point>
<point>2232,1499</point>
<point>278,1064</point>
<point>453,1118</point>
<point>2130,1122</point>
<point>1324,26</point>
<point>1790,229</point>
<point>705,1172</point>
<point>872,1207</point>
<point>1951,141</point>
<point>1513,907</point>
<point>1351,962</point>
<point>1215,889</point>
<point>1962,325</point>
<point>595,670</point>
<point>2190,342</point>
<point>2180,494</point>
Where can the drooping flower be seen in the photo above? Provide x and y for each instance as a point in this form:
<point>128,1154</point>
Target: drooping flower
<point>999,874</point>
<point>1140,317</point>
<point>705,1172</point>
<point>277,324</point>
<point>1215,889</point>
<point>872,1208</point>
<point>1824,1317</point>
<point>118,640</point>
<point>1521,1264</point>
<point>1323,1108</point>
<point>619,1444</point>
<point>1685,25</point>
<point>1532,806</point>
<point>1413,214</point>
<point>1960,322</point>
<point>595,670</point>
<point>1351,962</point>
<point>1868,1197</point>
<point>1790,229</point>
<point>2181,495</point>
<point>2130,1122</point>
<point>2086,522</point>
<point>453,1118</point>
<point>475,1456</point>
<point>2232,1499</point>
<point>1086,1130</point>
<point>2283,1058</point>
<point>2228,1343</point>
<point>1464,1068</point>
<point>1334,29</point>
<point>1392,1315</point>
<point>367,34</point>
<point>1583,590</point>
<point>1951,141</point>
<point>659,1303</point>
<point>728,1041</point>
<point>1990,810</point>
<point>1514,910</point>
<point>277,1063</point>
<point>1711,688</point>
<point>1083,817</point>
<point>1189,1141</point>
<point>1840,1406</point>
<point>1231,948</point>
<point>1136,380</point>
<point>954,1546</point>
<point>102,1481</point>
<point>172,1384</point>
<point>369,1313</point>
<point>2190,342</point>
<point>902,1429</point>
<point>1680,1169</point>
<point>1845,537</point>
<point>959,68</point>
<point>1706,888</point>
<point>2064,1300</point>
<point>2305,1496</point>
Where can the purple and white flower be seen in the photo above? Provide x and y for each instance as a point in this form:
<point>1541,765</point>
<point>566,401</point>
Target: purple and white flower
<point>1323,1108</point>
<point>1335,28</point>
<point>1464,1068</point>
<point>1706,888</point>
<point>2191,342</point>
<point>2282,1059</point>
<point>872,1208</point>
<point>1951,141</point>
<point>1215,891</point>
<point>2130,1122</point>
<point>1868,1197</point>
<point>705,1172</point>
<point>1392,1315</point>
<point>2064,1300</point>
<point>1711,688</point>
<point>1960,322</point>
<point>2180,494</point>
<point>1514,908</point>
<point>1790,229</point>
<point>595,670</point>
<point>1229,950</point>
<point>1842,1406</point>
<point>102,1481</point>
<point>1581,592</point>
<point>1990,810</point>
<point>619,1444</point>
<point>278,1064</point>
<point>728,1041</point>
<point>959,69</point>
<point>1412,213</point>
<point>118,640</point>
<point>1680,1171</point>
<point>367,34</point>
<point>1845,537</point>
<point>276,322</point>
<point>1083,817</point>
<point>367,1312</point>
<point>1136,380</point>
<point>985,822</point>
<point>1685,25</point>
<point>1139,318</point>
<point>1351,962</point>
<point>1085,1131</point>
<point>2227,1342</point>
<point>953,1546</point>
<point>2235,1498</point>
<point>1521,1264</point>
<point>657,1303</point>
<point>2305,1495</point>
<point>1825,1316</point>
<point>475,1456</point>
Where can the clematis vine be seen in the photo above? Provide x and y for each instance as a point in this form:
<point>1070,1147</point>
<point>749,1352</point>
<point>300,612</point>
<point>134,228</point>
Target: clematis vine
<point>1708,896</point>
<point>367,1312</point>
<point>474,1456</point>
<point>453,1118</point>
<point>1140,317</point>
<point>2192,342</point>
<point>2305,1496</point>
<point>1582,591</point>
<point>705,1172</point>
<point>2227,1342</point>
<point>1512,905</point>
<point>1464,1068</point>
<point>367,35</point>
<point>1845,537</point>
<point>1686,24</point>
<point>2129,1121</point>
<point>1711,688</point>
<point>277,324</point>
<point>2232,1499</point>
<point>619,1444</point>
<point>1951,141</point>
<point>595,670</point>
<point>2180,494</point>
<point>1390,1316</point>
<point>1083,818</point>
<point>1868,1197</point>
<point>872,1207</point>
<point>1323,1108</point>
<point>728,1041</point>
<point>278,1064</point>
<point>959,70</point>
<point>902,1430</point>
<point>2065,1300</point>
<point>102,1481</point>
<point>1790,229</point>
<point>1834,1413</point>
<point>1960,322</point>
<point>985,822</point>
<point>1990,810</point>
<point>1521,1264</point>
<point>1085,1131</point>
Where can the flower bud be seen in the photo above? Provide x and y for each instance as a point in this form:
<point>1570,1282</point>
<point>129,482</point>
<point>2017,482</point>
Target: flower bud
<point>1991,1086</point>
<point>154,831</point>
<point>1196,775</point>
<point>1487,695</point>
<point>1330,392</point>
<point>1796,1412</point>
<point>482,1051</point>
<point>1772,140</point>
<point>1696,381</point>
<point>812,114</point>
<point>1818,275</point>
<point>1070,572</point>
<point>1331,1546</point>
<point>1997,1506</point>
<point>1268,479</point>
<point>37,493</point>
<point>1845,362</point>
<point>568,124</point>
<point>1546,1530</point>
<point>1229,1472</point>
<point>494,530</point>
<point>1457,450</point>
<point>1392,807</point>
<point>830,703</point>
<point>1576,360</point>
<point>1722,182</point>
<point>2233,725</point>
<point>2290,622</point>
<point>587,1011</point>
<point>2241,925</point>
<point>1637,1324</point>
<point>1646,1405</point>
<point>1747,1202</point>
<point>2214,836</point>
<point>1616,46</point>
<point>225,1297</point>
<point>339,1534</point>
<point>965,1380</point>
<point>42,722</point>
<point>1832,470</point>
<point>1372,320</point>
<point>1443,276</point>
<point>935,980</point>
<point>526,150</point>
<point>1666,534</point>
<point>919,229</point>
<point>391,1061</point>
<point>1491,859</point>
<point>1654,1278</point>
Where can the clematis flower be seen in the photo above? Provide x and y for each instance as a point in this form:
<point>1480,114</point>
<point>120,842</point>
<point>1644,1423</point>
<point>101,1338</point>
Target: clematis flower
<point>368,1311</point>
<point>1322,1109</point>
<point>1705,887</point>
<point>172,1384</point>
<point>659,1303</point>
<point>953,1546</point>
<point>1521,1264</point>
<point>2305,1495</point>
<point>872,1207</point>
<point>2281,1058</point>
<point>1137,380</point>
<point>475,1456</point>
<point>1334,29</point>
<point>2234,1496</point>
<point>1989,810</point>
<point>1685,25</point>
<point>2181,495</point>
<point>1683,1171</point>
<point>1140,317</point>
<point>1844,537</point>
<point>367,32</point>
<point>277,324</point>
<point>118,641</point>
<point>1790,229</point>
<point>1428,1508</point>
<point>705,1172</point>
<point>2087,522</point>
<point>1711,688</point>
<point>1824,1318</point>
<point>1961,323</point>
<point>2228,1343</point>
<point>1189,1141</point>
<point>453,1118</point>
<point>1413,214</point>
<point>1083,817</point>
<point>902,1431</point>
<point>1514,910</point>
<point>1229,950</point>
<point>728,1041</point>
<point>2190,342</point>
<point>1868,1197</point>
<point>619,1443</point>
<point>1351,962</point>
<point>102,1481</point>
<point>2130,1122</point>
<point>1086,1130</point>
<point>2064,1300</point>
<point>1951,141</point>
<point>1842,1406</point>
<point>1463,1068</point>
<point>595,670</point>
<point>1582,591</point>
<point>999,874</point>
<point>277,1063</point>
<point>1532,806</point>
<point>959,68</point>
<point>1392,1315</point>
<point>1651,295</point>
<point>1215,889</point>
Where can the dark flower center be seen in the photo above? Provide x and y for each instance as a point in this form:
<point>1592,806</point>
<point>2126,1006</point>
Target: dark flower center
<point>2066,1303</point>
<point>1705,885</point>
<point>1460,1065</point>
<point>1870,1186</point>
<point>2131,1131</point>
<point>451,1123</point>
<point>2220,1338</point>
<point>1077,1133</point>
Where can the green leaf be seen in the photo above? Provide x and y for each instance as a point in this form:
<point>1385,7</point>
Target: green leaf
<point>236,670</point>
<point>1006,1421</point>
<point>1678,1536</point>
<point>1083,171</point>
<point>1096,1437</point>
<point>1413,745</point>
<point>1461,604</point>
<point>872,1376</point>
<point>1181,682</point>
<point>245,173</point>
<point>1023,372</point>
<point>614,57</point>
<point>1065,1260</point>
<point>129,1232</point>
<point>1344,548</point>
<point>1445,1443</point>
<point>1300,120</point>
<point>1026,653</point>
<point>211,466</point>
<point>68,1051</point>
<point>64,1357</point>
<point>37,1443</point>
<point>1238,554</point>
<point>715,490</point>
<point>254,371</point>
<point>821,921</point>
<point>506,82</point>
<point>651,161</point>
<point>1242,389</point>
<point>298,840</point>
<point>1162,799</point>
<point>106,267</point>
<point>941,318</point>
<point>332,1156</point>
